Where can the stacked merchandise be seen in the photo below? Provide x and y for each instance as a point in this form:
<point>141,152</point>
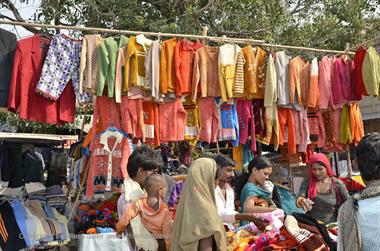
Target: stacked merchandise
<point>52,196</point>
<point>93,218</point>
<point>31,224</point>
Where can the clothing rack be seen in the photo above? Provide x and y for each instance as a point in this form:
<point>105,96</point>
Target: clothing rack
<point>159,34</point>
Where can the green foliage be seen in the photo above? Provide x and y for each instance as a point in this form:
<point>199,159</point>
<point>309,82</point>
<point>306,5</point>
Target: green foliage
<point>328,24</point>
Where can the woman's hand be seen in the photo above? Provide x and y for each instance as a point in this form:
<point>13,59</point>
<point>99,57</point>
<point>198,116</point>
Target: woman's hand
<point>259,222</point>
<point>306,204</point>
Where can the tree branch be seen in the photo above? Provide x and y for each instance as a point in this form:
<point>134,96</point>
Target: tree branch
<point>17,15</point>
<point>297,8</point>
<point>204,8</point>
<point>95,7</point>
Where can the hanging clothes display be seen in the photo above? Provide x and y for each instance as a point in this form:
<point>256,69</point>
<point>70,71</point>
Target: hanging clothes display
<point>61,65</point>
<point>150,87</point>
<point>23,99</point>
<point>8,43</point>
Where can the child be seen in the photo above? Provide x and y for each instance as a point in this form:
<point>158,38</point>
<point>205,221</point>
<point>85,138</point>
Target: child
<point>152,210</point>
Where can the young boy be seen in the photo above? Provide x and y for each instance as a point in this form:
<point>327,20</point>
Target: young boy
<point>152,210</point>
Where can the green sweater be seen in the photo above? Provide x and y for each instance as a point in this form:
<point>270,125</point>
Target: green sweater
<point>107,64</point>
<point>371,71</point>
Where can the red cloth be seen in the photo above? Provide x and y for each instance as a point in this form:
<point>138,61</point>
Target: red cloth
<point>352,185</point>
<point>317,157</point>
<point>359,87</point>
<point>28,61</point>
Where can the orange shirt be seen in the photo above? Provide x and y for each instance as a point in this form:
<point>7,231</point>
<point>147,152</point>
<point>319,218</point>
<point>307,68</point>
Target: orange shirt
<point>167,71</point>
<point>183,60</point>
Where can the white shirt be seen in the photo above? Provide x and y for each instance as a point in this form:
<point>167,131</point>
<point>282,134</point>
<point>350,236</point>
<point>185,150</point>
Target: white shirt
<point>226,205</point>
<point>368,213</point>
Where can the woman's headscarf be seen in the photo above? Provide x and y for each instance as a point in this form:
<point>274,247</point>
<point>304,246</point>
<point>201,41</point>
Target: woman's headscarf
<point>322,159</point>
<point>196,215</point>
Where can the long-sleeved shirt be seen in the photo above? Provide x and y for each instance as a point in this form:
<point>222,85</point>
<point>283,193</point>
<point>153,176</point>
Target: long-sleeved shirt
<point>324,82</point>
<point>134,70</point>
<point>183,60</point>
<point>107,64</point>
<point>227,60</point>
<point>205,73</point>
<point>371,71</point>
<point>167,69</point>
<point>152,69</point>
<point>299,78</point>
<point>89,64</point>
<point>282,65</point>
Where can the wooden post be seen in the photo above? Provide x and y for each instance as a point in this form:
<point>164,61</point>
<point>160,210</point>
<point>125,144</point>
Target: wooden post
<point>349,164</point>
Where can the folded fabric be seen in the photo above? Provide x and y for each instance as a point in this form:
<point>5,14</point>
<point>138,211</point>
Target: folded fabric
<point>274,218</point>
<point>103,230</point>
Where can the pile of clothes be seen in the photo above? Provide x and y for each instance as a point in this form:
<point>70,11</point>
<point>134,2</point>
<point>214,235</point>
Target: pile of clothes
<point>96,218</point>
<point>298,232</point>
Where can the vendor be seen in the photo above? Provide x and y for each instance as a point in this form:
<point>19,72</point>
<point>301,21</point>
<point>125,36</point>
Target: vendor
<point>254,198</point>
<point>321,194</point>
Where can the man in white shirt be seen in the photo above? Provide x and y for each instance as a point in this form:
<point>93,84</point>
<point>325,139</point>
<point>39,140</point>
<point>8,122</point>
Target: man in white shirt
<point>225,195</point>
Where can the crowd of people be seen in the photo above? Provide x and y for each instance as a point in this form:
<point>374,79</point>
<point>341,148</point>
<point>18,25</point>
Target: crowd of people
<point>207,205</point>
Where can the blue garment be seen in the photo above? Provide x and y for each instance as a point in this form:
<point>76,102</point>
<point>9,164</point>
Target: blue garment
<point>21,219</point>
<point>247,154</point>
<point>49,213</point>
<point>250,190</point>
<point>229,122</point>
<point>368,217</point>
<point>103,230</point>
<point>287,201</point>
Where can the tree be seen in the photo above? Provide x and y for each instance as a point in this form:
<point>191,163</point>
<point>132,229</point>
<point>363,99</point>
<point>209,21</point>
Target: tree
<point>328,24</point>
<point>324,23</point>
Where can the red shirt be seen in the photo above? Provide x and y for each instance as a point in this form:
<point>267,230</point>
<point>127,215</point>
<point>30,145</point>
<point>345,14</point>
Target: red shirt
<point>183,61</point>
<point>28,61</point>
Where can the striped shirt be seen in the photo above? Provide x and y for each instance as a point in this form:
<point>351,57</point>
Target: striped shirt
<point>368,218</point>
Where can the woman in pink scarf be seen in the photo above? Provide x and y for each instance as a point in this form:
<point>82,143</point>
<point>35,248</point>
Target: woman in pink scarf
<point>321,194</point>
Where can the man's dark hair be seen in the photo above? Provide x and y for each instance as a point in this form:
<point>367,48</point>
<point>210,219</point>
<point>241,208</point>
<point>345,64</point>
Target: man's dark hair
<point>143,157</point>
<point>223,160</point>
<point>368,156</point>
